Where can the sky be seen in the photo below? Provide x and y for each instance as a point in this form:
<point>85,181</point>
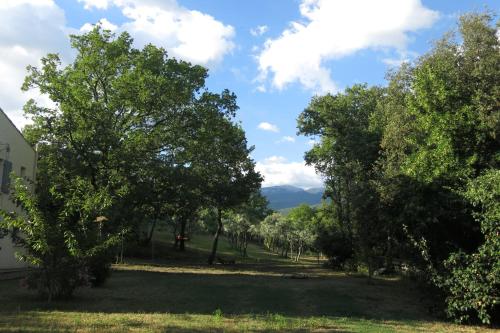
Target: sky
<point>275,55</point>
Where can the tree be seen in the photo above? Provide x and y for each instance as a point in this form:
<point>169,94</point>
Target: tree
<point>122,132</point>
<point>346,156</point>
<point>440,143</point>
<point>61,236</point>
<point>473,280</point>
<point>242,222</point>
<point>302,219</point>
<point>118,110</point>
<point>229,174</point>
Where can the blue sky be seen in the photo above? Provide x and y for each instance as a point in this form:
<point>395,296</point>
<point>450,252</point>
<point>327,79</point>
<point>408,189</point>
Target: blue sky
<point>275,55</point>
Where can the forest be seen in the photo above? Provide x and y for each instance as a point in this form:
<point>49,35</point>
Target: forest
<point>137,144</point>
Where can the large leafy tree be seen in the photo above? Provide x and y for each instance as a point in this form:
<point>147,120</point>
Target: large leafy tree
<point>346,156</point>
<point>440,148</point>
<point>455,151</point>
<point>229,172</point>
<point>127,140</point>
<point>117,109</point>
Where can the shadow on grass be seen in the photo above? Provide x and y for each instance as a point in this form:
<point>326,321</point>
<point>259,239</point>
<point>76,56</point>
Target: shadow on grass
<point>240,290</point>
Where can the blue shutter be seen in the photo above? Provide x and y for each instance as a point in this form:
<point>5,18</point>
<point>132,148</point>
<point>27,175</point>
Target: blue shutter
<point>7,169</point>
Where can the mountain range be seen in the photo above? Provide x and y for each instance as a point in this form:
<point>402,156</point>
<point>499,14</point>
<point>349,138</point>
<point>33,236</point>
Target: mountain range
<point>287,196</point>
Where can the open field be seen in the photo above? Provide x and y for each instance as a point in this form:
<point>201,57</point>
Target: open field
<point>254,295</point>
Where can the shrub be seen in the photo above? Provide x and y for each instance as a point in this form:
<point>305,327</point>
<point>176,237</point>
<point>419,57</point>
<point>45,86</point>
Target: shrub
<point>473,280</point>
<point>66,249</point>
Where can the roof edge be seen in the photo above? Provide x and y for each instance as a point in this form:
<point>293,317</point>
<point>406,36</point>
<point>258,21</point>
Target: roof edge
<point>17,129</point>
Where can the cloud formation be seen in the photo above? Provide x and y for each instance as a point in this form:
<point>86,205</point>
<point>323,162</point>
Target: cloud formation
<point>104,23</point>
<point>259,30</point>
<point>265,126</point>
<point>30,29</point>
<point>99,4</point>
<point>286,138</point>
<point>186,34</point>
<point>331,29</point>
<point>278,171</point>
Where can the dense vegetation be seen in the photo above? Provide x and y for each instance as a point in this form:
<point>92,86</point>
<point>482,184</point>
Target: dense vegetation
<point>412,170</point>
<point>135,140</point>
<point>134,136</point>
<point>183,294</point>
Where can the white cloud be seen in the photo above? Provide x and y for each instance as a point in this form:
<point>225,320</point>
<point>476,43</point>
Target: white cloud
<point>265,126</point>
<point>5,4</point>
<point>99,4</point>
<point>331,29</point>
<point>104,23</point>
<point>287,138</point>
<point>274,159</point>
<point>261,88</point>
<point>259,30</point>
<point>29,30</point>
<point>277,171</point>
<point>186,34</point>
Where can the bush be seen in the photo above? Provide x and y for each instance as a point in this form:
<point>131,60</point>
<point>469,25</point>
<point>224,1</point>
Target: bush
<point>336,246</point>
<point>57,281</point>
<point>65,248</point>
<point>99,268</point>
<point>473,280</point>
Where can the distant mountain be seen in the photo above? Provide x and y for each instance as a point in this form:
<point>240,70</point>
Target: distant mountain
<point>316,190</point>
<point>287,196</point>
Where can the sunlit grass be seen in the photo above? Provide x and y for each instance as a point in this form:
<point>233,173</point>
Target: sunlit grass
<point>56,321</point>
<point>186,295</point>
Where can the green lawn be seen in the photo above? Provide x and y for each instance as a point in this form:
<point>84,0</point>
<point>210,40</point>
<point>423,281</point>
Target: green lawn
<point>179,295</point>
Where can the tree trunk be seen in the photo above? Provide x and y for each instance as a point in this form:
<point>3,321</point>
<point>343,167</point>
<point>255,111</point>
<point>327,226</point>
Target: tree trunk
<point>176,240</point>
<point>388,256</point>
<point>152,250</point>
<point>151,231</point>
<point>211,258</point>
<point>370,269</point>
<point>299,252</point>
<point>182,246</point>
<point>245,245</point>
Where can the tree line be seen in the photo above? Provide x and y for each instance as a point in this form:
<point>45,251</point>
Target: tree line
<point>412,170</point>
<point>133,136</point>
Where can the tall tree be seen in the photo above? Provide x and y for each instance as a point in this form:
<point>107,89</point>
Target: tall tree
<point>346,156</point>
<point>120,138</point>
<point>228,171</point>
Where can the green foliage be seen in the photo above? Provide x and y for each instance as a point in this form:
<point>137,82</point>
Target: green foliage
<point>289,235</point>
<point>241,224</point>
<point>60,242</point>
<point>218,315</point>
<point>473,282</point>
<point>412,169</point>
<point>346,156</point>
<point>133,136</point>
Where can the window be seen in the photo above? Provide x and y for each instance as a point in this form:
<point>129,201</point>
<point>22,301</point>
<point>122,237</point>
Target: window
<point>23,172</point>
<point>7,169</point>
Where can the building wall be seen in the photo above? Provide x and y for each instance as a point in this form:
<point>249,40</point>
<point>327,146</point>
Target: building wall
<point>13,148</point>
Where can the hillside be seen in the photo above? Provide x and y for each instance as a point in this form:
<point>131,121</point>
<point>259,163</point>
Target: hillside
<point>287,196</point>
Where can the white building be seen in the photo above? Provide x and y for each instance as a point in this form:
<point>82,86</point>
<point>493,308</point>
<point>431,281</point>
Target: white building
<point>18,156</point>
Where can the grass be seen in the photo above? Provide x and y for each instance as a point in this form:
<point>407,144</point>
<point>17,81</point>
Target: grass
<point>255,295</point>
